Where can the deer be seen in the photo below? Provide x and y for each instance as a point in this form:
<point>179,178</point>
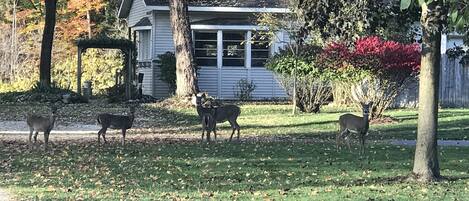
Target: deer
<point>209,123</point>
<point>112,121</point>
<point>349,123</point>
<point>223,113</point>
<point>38,123</point>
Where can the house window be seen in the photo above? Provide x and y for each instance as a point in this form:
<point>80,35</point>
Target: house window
<point>143,44</point>
<point>260,51</point>
<point>233,48</point>
<point>205,46</point>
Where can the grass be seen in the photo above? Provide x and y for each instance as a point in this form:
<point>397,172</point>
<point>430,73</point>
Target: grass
<point>152,168</point>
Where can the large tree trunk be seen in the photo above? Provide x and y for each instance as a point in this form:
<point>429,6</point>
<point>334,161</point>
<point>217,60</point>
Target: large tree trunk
<point>46,45</point>
<point>186,78</point>
<point>426,166</point>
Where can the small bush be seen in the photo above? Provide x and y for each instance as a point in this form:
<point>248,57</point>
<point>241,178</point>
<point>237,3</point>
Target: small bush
<point>313,86</point>
<point>243,89</point>
<point>167,63</point>
<point>39,93</point>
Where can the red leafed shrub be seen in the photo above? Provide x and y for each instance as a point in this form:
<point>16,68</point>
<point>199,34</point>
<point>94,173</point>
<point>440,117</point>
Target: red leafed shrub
<point>386,56</point>
<point>372,70</point>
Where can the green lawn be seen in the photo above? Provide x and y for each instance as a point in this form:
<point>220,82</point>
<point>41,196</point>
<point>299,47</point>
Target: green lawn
<point>185,169</point>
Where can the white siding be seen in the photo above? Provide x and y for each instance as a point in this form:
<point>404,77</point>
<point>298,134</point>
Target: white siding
<point>160,88</point>
<point>147,85</point>
<point>137,12</point>
<point>230,77</point>
<point>209,78</point>
<point>266,84</point>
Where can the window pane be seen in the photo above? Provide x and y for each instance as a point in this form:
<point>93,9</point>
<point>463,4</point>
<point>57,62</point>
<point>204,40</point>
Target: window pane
<point>260,50</point>
<point>233,48</point>
<point>205,36</point>
<point>206,62</point>
<point>258,62</point>
<point>206,53</point>
<point>205,44</point>
<point>233,62</point>
<point>143,45</point>
<point>234,36</point>
<point>260,54</point>
<point>257,45</point>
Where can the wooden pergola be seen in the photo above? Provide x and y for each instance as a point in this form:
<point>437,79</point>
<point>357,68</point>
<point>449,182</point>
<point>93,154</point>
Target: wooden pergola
<point>126,46</point>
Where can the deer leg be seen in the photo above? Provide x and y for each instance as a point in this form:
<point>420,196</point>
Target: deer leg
<point>208,136</point>
<point>31,130</point>
<point>203,132</point>
<point>46,139</point>
<point>35,136</point>
<point>215,133</point>
<point>99,135</point>
<point>237,128</point>
<point>346,135</point>
<point>123,136</point>
<point>362,143</point>
<point>231,137</point>
<point>103,133</point>
<point>337,141</point>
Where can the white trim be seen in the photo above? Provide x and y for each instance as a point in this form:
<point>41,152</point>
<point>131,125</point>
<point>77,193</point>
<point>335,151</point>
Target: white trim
<point>219,59</point>
<point>225,9</point>
<point>248,50</point>
<point>141,28</point>
<point>227,27</point>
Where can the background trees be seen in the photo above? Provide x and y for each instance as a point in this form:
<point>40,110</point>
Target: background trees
<point>74,19</point>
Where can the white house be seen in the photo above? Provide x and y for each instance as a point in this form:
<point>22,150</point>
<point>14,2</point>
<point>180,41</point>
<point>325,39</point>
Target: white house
<point>222,31</point>
<point>219,29</point>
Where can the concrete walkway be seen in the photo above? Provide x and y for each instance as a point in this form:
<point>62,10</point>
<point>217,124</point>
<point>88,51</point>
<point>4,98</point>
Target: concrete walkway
<point>459,143</point>
<point>20,127</point>
<point>4,196</point>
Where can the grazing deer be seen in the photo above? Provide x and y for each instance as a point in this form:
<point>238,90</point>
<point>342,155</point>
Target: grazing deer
<point>209,123</point>
<point>115,122</point>
<point>223,113</point>
<point>351,123</point>
<point>39,123</point>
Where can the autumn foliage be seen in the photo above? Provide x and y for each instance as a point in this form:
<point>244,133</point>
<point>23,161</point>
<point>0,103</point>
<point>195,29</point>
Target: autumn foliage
<point>372,69</point>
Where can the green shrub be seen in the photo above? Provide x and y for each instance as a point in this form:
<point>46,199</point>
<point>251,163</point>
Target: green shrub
<point>167,63</point>
<point>313,86</point>
<point>39,93</point>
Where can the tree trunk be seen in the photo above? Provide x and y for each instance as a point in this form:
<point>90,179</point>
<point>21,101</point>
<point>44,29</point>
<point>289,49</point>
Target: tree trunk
<point>46,45</point>
<point>426,166</point>
<point>186,77</point>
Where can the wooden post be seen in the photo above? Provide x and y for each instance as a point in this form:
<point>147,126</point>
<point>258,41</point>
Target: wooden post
<point>79,71</point>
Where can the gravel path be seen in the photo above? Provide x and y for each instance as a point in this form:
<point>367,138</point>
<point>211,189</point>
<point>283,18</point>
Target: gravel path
<point>459,143</point>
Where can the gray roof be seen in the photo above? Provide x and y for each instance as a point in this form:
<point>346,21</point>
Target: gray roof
<point>143,22</point>
<point>226,3</point>
<point>126,5</point>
